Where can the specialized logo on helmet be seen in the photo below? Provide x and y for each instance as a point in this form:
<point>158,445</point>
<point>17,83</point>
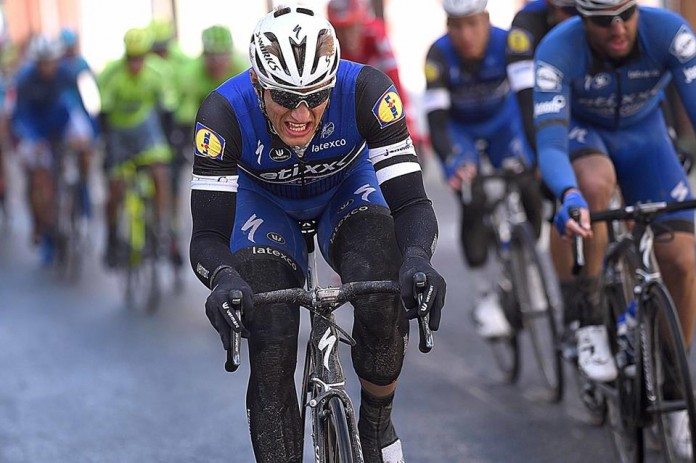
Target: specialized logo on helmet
<point>389,108</point>
<point>208,143</point>
<point>267,55</point>
<point>684,45</point>
<point>519,41</point>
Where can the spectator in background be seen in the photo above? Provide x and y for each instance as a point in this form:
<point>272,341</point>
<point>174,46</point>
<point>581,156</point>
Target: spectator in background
<point>363,39</point>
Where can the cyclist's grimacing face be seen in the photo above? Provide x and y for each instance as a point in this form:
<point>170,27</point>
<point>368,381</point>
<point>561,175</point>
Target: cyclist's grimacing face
<point>615,41</point>
<point>295,127</point>
<point>470,34</point>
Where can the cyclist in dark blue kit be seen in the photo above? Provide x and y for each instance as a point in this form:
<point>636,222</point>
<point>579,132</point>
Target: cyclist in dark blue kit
<point>471,109</point>
<point>306,136</point>
<point>599,82</point>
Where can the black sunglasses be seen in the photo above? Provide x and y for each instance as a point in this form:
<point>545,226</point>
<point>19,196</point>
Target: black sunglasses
<point>607,20</point>
<point>290,100</point>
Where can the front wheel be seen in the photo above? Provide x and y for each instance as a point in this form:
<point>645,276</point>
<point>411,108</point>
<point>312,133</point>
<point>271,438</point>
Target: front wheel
<point>669,390</point>
<point>335,433</point>
<point>532,290</point>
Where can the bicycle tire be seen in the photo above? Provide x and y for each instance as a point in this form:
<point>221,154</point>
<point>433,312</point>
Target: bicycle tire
<point>667,343</point>
<point>336,432</point>
<point>540,324</point>
<point>624,412</point>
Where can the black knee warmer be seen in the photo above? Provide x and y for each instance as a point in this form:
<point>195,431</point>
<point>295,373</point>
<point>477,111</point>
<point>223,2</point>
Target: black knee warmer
<point>474,235</point>
<point>274,417</point>
<point>365,249</point>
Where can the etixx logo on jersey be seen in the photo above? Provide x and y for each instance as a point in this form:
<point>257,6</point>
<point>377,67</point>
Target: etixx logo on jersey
<point>388,108</point>
<point>209,144</point>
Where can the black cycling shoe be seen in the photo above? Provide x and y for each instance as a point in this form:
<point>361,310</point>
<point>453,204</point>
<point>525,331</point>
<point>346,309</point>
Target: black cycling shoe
<point>115,255</point>
<point>379,441</point>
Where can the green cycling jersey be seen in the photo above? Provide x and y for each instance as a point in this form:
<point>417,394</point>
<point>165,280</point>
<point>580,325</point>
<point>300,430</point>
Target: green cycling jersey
<point>199,83</point>
<point>129,98</point>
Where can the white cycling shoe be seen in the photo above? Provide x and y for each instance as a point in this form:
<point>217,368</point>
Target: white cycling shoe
<point>490,319</point>
<point>594,354</point>
<point>680,434</point>
<point>393,453</point>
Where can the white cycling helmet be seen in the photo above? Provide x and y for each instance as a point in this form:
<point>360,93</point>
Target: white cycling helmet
<point>41,48</point>
<point>463,7</point>
<point>603,7</point>
<point>294,48</point>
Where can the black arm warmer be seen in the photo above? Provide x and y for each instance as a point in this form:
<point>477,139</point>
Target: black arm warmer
<point>414,218</point>
<point>525,99</point>
<point>213,218</point>
<point>438,123</point>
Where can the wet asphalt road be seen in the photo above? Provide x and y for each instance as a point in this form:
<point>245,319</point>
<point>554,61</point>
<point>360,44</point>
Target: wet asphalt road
<point>84,379</point>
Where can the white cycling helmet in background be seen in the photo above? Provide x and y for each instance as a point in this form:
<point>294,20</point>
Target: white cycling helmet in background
<point>294,48</point>
<point>603,7</point>
<point>463,7</point>
<point>41,48</point>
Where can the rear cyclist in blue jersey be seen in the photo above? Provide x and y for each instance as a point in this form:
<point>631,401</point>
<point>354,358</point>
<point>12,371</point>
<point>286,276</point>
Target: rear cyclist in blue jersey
<point>305,136</point>
<point>46,112</point>
<point>599,81</point>
<point>471,110</point>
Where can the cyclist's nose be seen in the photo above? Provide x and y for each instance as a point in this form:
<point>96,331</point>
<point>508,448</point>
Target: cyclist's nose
<point>302,112</point>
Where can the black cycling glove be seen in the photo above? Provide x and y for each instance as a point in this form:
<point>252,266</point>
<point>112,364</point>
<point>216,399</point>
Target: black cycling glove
<point>218,306</point>
<point>416,260</point>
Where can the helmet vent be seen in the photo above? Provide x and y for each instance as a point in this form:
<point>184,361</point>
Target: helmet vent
<point>281,12</point>
<point>305,11</point>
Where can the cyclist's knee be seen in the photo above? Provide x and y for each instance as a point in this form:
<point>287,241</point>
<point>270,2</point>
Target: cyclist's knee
<point>365,247</point>
<point>677,258</point>
<point>596,179</point>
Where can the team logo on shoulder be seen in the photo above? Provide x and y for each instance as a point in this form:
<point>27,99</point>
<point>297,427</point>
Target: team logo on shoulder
<point>432,71</point>
<point>327,130</point>
<point>683,45</point>
<point>389,108</point>
<point>277,237</point>
<point>519,41</point>
<point>548,78</point>
<point>208,143</point>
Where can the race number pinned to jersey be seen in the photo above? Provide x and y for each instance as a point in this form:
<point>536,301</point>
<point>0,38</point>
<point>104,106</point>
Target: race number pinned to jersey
<point>389,108</point>
<point>208,143</point>
<point>683,45</point>
<point>519,41</point>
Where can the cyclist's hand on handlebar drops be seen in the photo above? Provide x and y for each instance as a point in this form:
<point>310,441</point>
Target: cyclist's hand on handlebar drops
<point>433,293</point>
<point>565,225</point>
<point>219,307</point>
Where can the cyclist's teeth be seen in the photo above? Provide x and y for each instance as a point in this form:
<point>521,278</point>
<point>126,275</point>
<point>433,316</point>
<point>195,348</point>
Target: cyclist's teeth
<point>297,127</point>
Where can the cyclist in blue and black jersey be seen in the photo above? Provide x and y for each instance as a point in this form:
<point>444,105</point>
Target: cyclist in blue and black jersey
<point>471,109</point>
<point>599,81</point>
<point>45,113</point>
<point>303,136</point>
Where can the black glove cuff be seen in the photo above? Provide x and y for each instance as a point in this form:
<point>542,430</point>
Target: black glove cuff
<point>220,271</point>
<point>415,251</point>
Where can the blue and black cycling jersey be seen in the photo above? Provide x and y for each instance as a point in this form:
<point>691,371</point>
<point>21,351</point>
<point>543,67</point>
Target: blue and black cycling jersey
<point>468,101</point>
<point>251,189</point>
<point>43,106</point>
<point>615,101</point>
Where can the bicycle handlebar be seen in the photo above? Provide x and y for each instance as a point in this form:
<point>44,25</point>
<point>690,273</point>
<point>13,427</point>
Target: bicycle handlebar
<point>641,212</point>
<point>327,297</point>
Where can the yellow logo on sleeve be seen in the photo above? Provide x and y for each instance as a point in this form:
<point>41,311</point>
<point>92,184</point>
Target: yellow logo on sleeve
<point>208,143</point>
<point>432,72</point>
<point>388,108</point>
<point>519,41</point>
